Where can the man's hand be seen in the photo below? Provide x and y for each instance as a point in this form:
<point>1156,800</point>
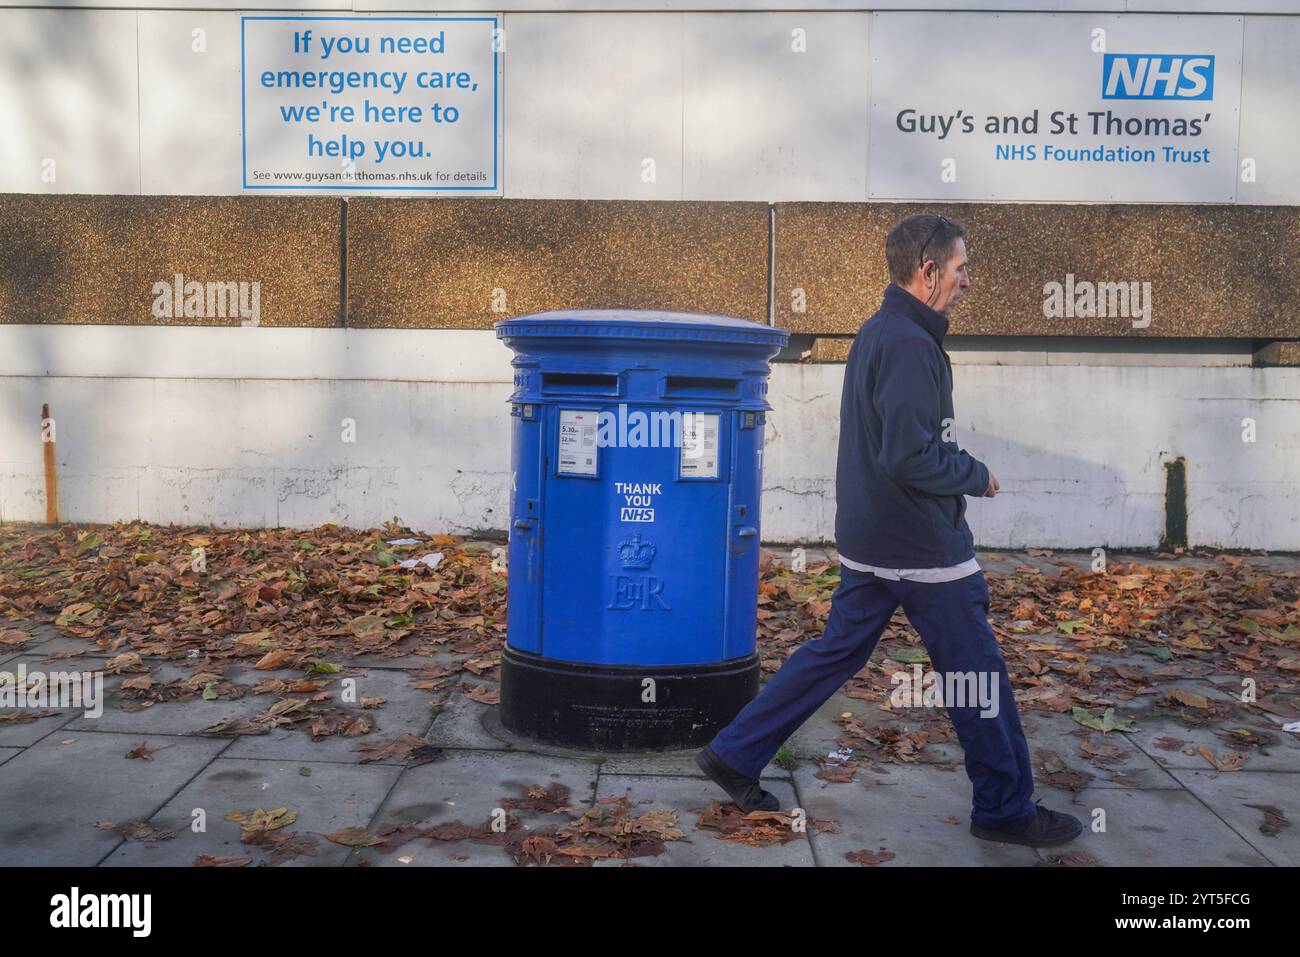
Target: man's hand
<point>993,485</point>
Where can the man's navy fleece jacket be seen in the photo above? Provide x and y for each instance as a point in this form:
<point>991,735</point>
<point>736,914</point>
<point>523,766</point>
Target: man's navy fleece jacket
<point>899,487</point>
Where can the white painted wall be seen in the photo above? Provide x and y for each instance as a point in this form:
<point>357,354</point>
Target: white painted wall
<point>241,426</point>
<point>236,426</point>
<point>1079,451</point>
<point>566,6</point>
<point>120,101</point>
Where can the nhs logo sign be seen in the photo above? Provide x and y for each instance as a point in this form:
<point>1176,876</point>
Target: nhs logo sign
<point>1157,76</point>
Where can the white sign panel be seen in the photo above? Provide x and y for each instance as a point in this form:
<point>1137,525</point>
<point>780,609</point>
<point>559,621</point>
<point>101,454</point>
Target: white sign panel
<point>372,103</point>
<point>1067,107</point>
<point>577,453</point>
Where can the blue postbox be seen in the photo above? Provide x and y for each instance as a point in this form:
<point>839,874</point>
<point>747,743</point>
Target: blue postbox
<point>636,473</point>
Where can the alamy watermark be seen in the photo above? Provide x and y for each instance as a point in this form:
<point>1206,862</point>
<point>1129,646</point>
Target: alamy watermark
<point>1098,300</point>
<point>690,431</point>
<point>76,910</point>
<point>57,689</point>
<point>191,299</point>
<point>953,689</point>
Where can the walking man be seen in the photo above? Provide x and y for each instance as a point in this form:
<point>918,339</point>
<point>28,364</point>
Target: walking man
<point>900,529</point>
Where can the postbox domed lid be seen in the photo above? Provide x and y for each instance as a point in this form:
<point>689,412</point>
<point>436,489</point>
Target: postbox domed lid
<point>640,324</point>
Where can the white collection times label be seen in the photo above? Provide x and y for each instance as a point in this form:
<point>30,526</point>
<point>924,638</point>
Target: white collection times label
<point>577,454</point>
<point>699,457</point>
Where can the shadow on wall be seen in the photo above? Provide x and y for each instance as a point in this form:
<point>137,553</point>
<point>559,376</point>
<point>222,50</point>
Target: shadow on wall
<point>1080,452</point>
<point>79,83</point>
<point>1082,504</point>
<point>1067,501</point>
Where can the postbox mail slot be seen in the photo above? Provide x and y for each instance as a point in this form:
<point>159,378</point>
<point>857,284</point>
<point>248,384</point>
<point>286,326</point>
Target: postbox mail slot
<point>579,383</point>
<point>700,387</point>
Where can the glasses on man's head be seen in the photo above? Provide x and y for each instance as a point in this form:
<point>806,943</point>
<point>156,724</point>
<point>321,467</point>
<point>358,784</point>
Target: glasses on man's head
<point>943,221</point>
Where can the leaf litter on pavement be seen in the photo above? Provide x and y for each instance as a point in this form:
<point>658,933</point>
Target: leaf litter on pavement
<point>1107,649</point>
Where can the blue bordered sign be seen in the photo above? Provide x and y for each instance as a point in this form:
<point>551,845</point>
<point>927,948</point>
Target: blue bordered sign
<point>409,104</point>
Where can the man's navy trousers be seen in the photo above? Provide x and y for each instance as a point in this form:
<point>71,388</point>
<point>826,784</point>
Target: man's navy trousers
<point>952,620</point>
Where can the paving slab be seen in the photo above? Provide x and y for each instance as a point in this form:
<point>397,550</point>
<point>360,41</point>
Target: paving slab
<point>1285,701</point>
<point>1062,734</point>
<point>689,796</point>
<point>1279,751</point>
<point>405,662</point>
<point>1148,666</point>
<point>7,753</point>
<point>48,639</point>
<point>80,783</point>
<point>666,763</point>
<point>997,563</point>
<point>406,710</point>
<point>470,788</point>
<point>1157,827</point>
<point>1225,676</point>
<point>1228,793</point>
<point>28,733</point>
<point>38,661</point>
<point>461,724</point>
<point>816,737</point>
<point>1153,698</point>
<point>329,798</point>
<point>1154,561</point>
<point>1044,563</point>
<point>57,643</point>
<point>679,762</point>
<point>1286,693</point>
<point>22,734</point>
<point>179,717</point>
<point>909,812</point>
<point>1291,702</point>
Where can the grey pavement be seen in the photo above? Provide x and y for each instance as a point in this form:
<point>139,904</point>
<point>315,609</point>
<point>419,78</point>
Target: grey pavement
<point>72,796</point>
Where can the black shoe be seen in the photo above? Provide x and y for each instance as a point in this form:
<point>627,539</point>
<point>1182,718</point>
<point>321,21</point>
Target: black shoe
<point>746,792</point>
<point>1047,829</point>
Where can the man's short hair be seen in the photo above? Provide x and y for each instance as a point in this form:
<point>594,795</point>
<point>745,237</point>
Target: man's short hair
<point>913,240</point>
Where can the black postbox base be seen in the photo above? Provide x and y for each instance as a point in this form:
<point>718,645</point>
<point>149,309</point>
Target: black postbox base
<point>609,708</point>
